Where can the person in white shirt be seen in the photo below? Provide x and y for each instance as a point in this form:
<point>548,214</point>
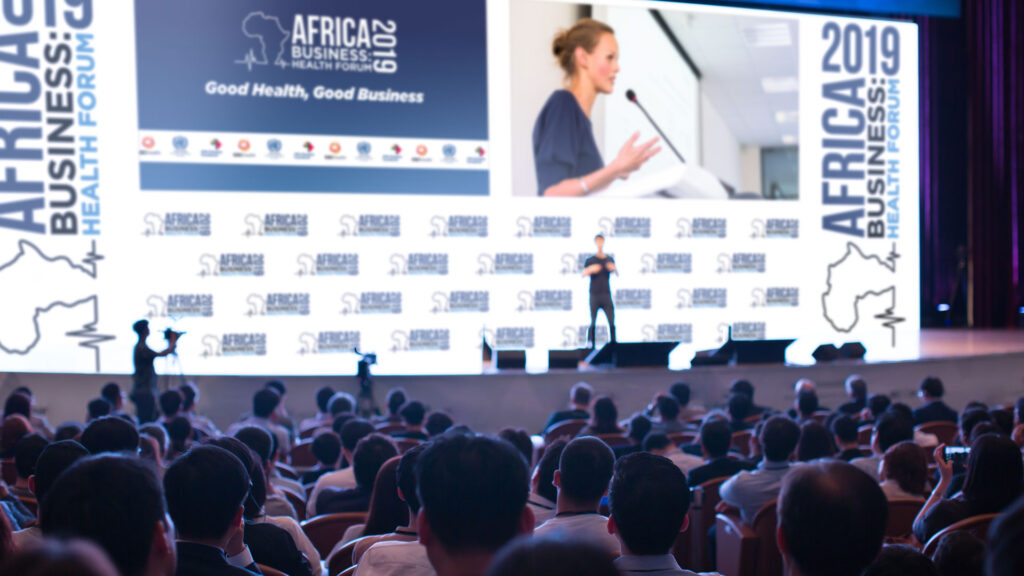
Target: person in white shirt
<point>543,493</point>
<point>265,414</point>
<point>649,502</point>
<point>351,433</point>
<point>406,478</point>
<point>659,444</point>
<point>904,471</point>
<point>748,491</point>
<point>584,470</point>
<point>890,428</point>
<point>395,559</point>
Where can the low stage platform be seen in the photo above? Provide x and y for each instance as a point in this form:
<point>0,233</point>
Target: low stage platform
<point>983,365</point>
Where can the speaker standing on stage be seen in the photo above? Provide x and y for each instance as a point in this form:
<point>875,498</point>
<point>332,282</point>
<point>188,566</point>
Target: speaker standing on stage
<point>600,267</point>
<point>565,154</point>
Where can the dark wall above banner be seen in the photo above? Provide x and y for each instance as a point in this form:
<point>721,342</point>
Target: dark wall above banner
<point>942,8</point>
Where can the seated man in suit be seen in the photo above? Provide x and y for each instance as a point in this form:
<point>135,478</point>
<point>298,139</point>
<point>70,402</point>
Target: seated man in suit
<point>649,502</point>
<point>206,492</point>
<point>584,470</point>
<point>715,439</point>
<point>857,390</point>
<point>747,491</point>
<point>579,404</point>
<point>931,391</point>
<point>55,459</point>
<point>371,453</point>
<point>845,434</point>
<point>134,529</point>
<point>832,519</point>
<point>413,414</point>
<point>323,418</point>
<point>351,430</point>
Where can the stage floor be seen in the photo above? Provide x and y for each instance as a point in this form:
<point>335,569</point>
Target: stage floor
<point>947,343</point>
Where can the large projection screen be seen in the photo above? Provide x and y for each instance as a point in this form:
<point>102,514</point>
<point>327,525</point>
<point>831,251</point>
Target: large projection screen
<point>286,181</point>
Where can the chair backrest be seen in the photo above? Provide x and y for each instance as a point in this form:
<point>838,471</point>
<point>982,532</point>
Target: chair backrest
<point>268,571</point>
<point>681,548</point>
<point>976,525</point>
<point>753,418</point>
<point>297,501</point>
<point>682,438</point>
<point>864,434</point>
<point>613,440</point>
<point>390,428</point>
<point>769,560</point>
<point>821,416</point>
<point>286,470</point>
<point>736,547</point>
<point>702,518</point>
<point>741,442</point>
<point>568,428</point>
<point>946,432</point>
<point>902,512</point>
<point>302,455</point>
<point>406,444</point>
<point>326,530</point>
<point>307,433</point>
<point>348,571</point>
<point>342,558</point>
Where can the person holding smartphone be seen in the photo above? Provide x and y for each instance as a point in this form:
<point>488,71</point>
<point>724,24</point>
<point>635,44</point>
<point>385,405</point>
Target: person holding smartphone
<point>599,268</point>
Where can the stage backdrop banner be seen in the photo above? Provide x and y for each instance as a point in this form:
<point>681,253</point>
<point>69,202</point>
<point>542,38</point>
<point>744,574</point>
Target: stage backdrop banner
<point>286,182</point>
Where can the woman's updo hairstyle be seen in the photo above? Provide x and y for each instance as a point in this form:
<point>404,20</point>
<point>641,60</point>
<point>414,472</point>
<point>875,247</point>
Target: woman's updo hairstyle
<point>585,33</point>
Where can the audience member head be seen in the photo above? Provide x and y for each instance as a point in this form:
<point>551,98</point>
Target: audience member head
<point>960,553</point>
<point>667,407</point>
<point>327,448</point>
<point>715,438</point>
<point>370,454</point>
<point>806,403</point>
<point>931,389</point>
<point>543,477</point>
<point>110,434</point>
<point>804,385</point>
<point>1018,411</point>
<point>352,432</point>
<point>815,442</point>
<point>472,492</point>
<point>170,403</point>
<point>905,463</point>
<point>387,512</point>
<point>901,560</point>
<point>396,399</point>
<point>323,399</point>
<point>901,409</point>
<point>277,386</point>
<point>265,402</point>
<point>413,413</point>
<point>117,502</point>
<point>605,415</point>
<point>856,387</point>
<point>406,473</point>
<point>552,555</point>
<point>739,406</point>
<point>438,423</point>
<point>158,433</point>
<point>742,387</point>
<point>189,396</point>
<point>68,431</point>
<point>657,443</point>
<point>1005,556</point>
<point>73,557</point>
<point>579,395</point>
<point>253,505</point>
<point>639,427</point>
<point>844,428</point>
<point>681,392</point>
<point>206,491</point>
<point>878,404</point>
<point>521,440</point>
<point>26,453</point>
<point>649,500</point>
<point>179,434</point>
<point>111,392</point>
<point>97,408</point>
<point>341,403</point>
<point>976,404</point>
<point>891,428</point>
<point>54,459</point>
<point>810,536</point>
<point>18,403</point>
<point>584,470</point>
<point>968,420</point>
<point>1002,419</point>
<point>982,428</point>
<point>994,474</point>
<point>260,441</point>
<point>14,428</point>
<point>779,437</point>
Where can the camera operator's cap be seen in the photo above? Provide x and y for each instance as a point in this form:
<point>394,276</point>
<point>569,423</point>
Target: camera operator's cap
<point>140,325</point>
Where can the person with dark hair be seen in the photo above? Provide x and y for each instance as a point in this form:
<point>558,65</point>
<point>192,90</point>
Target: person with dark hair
<point>144,379</point>
<point>584,471</point>
<point>960,553</point>
<point>900,560</point>
<point>262,443</point>
<point>472,492</point>
<point>18,403</point>
<point>327,450</point>
<point>170,404</point>
<point>341,403</point>
<point>438,423</point>
<point>970,418</point>
<point>638,429</point>
<point>904,471</point>
<point>387,511</point>
<point>24,405</point>
<point>832,519</point>
<point>804,406</point>
<point>738,406</point>
<point>681,392</point>
<point>552,556</point>
<point>1002,419</point>
<point>133,529</point>
<point>543,493</point>
<point>857,390</point>
<point>657,443</point>
<point>323,418</point>
<point>26,452</point>
<point>890,428</point>
<point>845,433</point>
<point>274,541</point>
<point>370,454</point>
<point>351,432</point>
<point>179,436</point>
<point>815,442</point>
<point>604,419</point>
<point>206,492</point>
<point>412,414</point>
<point>747,389</point>
<point>579,404</point>
<point>54,557</point>
<point>68,431</point>
<point>111,434</point>
<point>667,420</point>
<point>161,444</point>
<point>265,415</point>
<point>649,501</point>
<point>54,459</point>
<point>190,397</point>
<point>396,398</point>
<point>934,409</point>
<point>992,482</point>
<point>111,392</point>
<point>14,428</point>
<point>97,408</point>
<point>521,440</point>
<point>877,405</point>
<point>715,440</point>
<point>404,532</point>
<point>747,491</point>
<point>1005,555</point>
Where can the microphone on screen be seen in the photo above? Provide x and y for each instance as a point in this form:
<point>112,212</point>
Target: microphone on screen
<point>631,96</point>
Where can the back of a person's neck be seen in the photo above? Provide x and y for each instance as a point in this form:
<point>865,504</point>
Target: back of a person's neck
<point>464,564</point>
<point>567,506</point>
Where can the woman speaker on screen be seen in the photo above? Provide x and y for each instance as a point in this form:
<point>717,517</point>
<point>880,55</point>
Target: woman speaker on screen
<point>565,153</point>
